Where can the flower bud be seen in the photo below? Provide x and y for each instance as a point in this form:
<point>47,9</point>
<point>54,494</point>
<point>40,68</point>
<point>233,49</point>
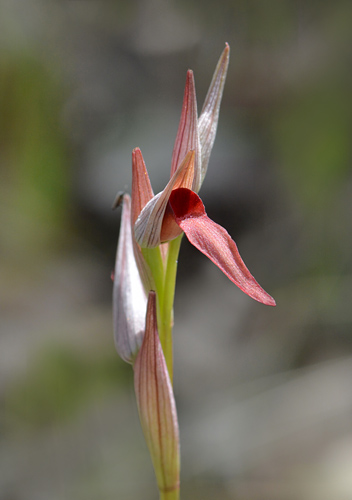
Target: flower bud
<point>156,404</point>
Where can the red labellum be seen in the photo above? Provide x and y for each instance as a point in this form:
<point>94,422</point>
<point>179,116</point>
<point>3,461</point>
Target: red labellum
<point>214,242</point>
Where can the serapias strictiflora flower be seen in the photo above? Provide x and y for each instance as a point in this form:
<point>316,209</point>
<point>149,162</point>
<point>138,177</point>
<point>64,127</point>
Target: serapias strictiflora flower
<point>178,208</point>
<point>194,142</point>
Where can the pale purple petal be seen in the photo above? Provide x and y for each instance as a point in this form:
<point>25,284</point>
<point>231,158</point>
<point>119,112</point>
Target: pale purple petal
<point>129,297</point>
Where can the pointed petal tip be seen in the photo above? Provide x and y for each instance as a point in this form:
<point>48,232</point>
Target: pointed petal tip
<point>267,300</point>
<point>225,56</point>
<point>152,298</point>
<point>190,89</point>
<point>136,151</point>
<point>119,198</point>
<point>208,119</point>
<point>272,302</point>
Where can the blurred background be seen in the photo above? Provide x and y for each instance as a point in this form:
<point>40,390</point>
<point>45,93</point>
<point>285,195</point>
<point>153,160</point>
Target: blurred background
<point>264,394</point>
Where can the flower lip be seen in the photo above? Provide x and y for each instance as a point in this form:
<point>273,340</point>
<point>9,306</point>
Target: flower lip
<point>186,203</point>
<point>214,242</point>
<point>148,226</point>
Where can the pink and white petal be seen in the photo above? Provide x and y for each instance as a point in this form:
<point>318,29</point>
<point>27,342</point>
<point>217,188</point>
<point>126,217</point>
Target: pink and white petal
<point>215,242</point>
<point>147,228</point>
<point>187,137</point>
<point>156,404</point>
<point>209,117</point>
<point>129,297</point>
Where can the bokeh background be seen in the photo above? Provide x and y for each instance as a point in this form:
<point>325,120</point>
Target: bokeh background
<point>264,394</point>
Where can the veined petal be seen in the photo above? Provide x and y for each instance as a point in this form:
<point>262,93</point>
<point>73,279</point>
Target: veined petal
<point>187,138</point>
<point>214,242</point>
<point>208,120</point>
<point>142,193</point>
<point>129,298</point>
<point>156,404</point>
<point>147,228</point>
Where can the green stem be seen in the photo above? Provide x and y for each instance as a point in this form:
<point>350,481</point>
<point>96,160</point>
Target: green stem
<point>153,258</point>
<point>167,305</point>
<point>165,282</point>
<point>170,495</point>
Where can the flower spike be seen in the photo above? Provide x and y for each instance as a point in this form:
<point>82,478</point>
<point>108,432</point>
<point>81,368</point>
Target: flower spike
<point>208,120</point>
<point>214,242</point>
<point>146,267</point>
<point>156,404</point>
<point>129,298</point>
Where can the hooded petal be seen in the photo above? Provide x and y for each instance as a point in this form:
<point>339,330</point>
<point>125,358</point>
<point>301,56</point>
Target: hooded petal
<point>147,228</point>
<point>156,404</point>
<point>129,298</point>
<point>187,138</point>
<point>208,120</point>
<point>214,242</point>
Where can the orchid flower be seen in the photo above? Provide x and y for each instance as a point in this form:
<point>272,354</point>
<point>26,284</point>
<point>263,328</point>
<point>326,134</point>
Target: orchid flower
<point>178,208</point>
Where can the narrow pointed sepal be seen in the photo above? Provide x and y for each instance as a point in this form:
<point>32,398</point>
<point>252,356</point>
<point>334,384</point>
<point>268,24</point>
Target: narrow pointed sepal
<point>156,404</point>
<point>142,190</point>
<point>142,193</point>
<point>129,297</point>
<point>209,117</point>
<point>214,242</point>
<point>148,226</point>
<point>187,138</point>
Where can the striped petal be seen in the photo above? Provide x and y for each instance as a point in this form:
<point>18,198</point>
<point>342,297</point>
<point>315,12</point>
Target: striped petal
<point>147,228</point>
<point>187,137</point>
<point>156,405</point>
<point>129,298</point>
<point>209,117</point>
<point>142,193</point>
<point>214,242</point>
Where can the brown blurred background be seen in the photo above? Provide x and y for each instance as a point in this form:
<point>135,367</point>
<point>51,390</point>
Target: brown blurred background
<point>264,394</point>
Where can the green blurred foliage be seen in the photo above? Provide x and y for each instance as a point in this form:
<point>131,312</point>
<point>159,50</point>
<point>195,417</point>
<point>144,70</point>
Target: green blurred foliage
<point>35,179</point>
<point>59,383</point>
<point>313,144</point>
